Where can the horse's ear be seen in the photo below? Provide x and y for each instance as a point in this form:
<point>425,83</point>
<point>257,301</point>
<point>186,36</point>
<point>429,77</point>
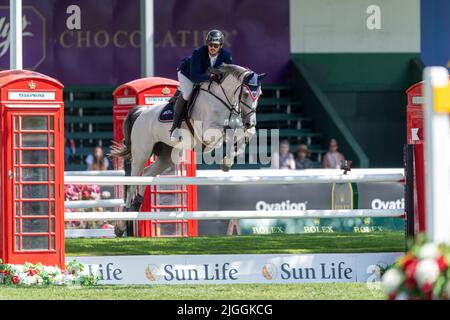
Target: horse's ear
<point>261,76</point>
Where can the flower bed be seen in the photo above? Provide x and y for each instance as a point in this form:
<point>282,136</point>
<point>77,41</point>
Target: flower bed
<point>423,273</point>
<point>39,275</point>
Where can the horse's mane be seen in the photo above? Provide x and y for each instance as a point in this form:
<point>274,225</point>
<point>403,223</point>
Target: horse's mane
<point>232,69</point>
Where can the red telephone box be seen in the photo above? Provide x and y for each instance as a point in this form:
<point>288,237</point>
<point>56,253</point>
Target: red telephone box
<point>415,136</point>
<point>148,92</point>
<point>32,168</point>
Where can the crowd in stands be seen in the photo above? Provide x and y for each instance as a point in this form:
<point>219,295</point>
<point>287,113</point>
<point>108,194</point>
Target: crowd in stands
<point>284,159</point>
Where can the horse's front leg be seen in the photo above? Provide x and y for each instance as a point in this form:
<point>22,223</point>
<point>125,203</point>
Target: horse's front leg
<point>235,142</point>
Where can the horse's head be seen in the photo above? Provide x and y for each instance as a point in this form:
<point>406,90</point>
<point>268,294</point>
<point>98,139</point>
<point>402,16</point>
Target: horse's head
<point>243,87</point>
<point>249,96</point>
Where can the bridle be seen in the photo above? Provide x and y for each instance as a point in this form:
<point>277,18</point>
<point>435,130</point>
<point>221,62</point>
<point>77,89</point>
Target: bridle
<point>235,109</point>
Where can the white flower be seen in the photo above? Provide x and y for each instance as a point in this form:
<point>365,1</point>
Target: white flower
<point>402,296</point>
<point>392,279</point>
<point>427,271</point>
<point>429,251</point>
<point>106,195</point>
<point>58,280</point>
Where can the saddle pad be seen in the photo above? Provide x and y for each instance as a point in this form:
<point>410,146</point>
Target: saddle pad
<point>166,114</point>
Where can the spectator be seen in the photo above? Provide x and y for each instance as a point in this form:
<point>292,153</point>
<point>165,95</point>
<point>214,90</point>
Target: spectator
<point>332,159</point>
<point>284,159</point>
<point>97,161</point>
<point>303,161</point>
<point>69,151</point>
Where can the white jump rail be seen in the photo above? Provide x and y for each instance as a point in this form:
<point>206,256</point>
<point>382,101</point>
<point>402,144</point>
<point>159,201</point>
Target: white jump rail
<point>263,177</point>
<point>227,215</point>
<point>86,204</point>
<point>116,173</point>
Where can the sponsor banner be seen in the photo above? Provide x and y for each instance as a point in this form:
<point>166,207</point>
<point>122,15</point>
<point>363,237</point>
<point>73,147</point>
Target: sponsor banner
<point>228,269</point>
<point>105,50</point>
<point>298,197</point>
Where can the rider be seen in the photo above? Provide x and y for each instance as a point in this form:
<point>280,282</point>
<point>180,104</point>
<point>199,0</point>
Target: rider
<point>196,68</point>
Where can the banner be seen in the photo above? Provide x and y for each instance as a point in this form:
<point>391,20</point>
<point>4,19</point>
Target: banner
<point>236,268</point>
<point>106,48</point>
<point>298,197</point>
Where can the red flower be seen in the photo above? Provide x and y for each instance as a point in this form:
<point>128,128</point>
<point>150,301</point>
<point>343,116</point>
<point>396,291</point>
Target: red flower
<point>86,194</point>
<point>407,260</point>
<point>442,263</point>
<point>15,279</point>
<point>410,280</point>
<point>392,295</point>
<point>427,290</point>
<point>32,272</point>
<point>4,272</point>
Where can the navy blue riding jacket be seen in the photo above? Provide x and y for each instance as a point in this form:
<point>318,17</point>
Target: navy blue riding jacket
<point>195,66</point>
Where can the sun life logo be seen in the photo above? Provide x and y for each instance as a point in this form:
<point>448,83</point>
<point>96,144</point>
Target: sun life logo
<point>153,272</point>
<point>269,271</point>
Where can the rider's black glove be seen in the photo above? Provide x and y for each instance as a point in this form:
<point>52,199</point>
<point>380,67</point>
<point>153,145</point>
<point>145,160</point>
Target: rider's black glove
<point>215,76</point>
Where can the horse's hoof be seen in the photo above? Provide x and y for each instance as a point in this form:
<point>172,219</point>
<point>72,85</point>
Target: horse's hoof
<point>224,168</point>
<point>119,229</point>
<point>136,204</point>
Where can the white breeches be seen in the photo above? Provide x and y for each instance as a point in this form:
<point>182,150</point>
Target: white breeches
<point>186,86</point>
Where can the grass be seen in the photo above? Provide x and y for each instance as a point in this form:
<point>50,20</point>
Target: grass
<point>263,244</point>
<point>309,291</point>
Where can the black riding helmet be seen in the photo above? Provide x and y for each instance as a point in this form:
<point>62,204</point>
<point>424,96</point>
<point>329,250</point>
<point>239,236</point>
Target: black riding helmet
<point>214,36</point>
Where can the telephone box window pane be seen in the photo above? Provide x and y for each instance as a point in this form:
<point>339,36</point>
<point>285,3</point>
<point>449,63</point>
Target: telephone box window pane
<point>16,123</point>
<point>17,242</point>
<point>16,140</point>
<point>52,191</point>
<point>52,225</point>
<point>35,242</point>
<point>34,140</point>
<point>51,122</point>
<point>35,157</point>
<point>16,157</point>
<point>52,142</point>
<point>52,208</point>
<point>34,123</point>
<point>53,242</point>
<point>34,225</point>
<point>52,174</point>
<point>16,192</point>
<point>17,226</point>
<point>16,174</point>
<point>35,208</point>
<point>34,174</point>
<point>32,191</point>
<point>52,157</point>
<point>17,208</point>
<point>168,229</point>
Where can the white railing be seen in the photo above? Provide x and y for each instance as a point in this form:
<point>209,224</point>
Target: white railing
<point>227,215</point>
<point>87,204</point>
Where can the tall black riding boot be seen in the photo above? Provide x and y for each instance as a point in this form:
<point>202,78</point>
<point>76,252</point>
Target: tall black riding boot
<point>178,112</point>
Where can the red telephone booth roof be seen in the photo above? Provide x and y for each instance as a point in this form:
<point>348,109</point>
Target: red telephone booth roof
<point>414,86</point>
<point>142,84</point>
<point>9,76</point>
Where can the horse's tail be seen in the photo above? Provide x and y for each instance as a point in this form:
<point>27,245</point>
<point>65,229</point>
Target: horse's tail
<point>124,150</point>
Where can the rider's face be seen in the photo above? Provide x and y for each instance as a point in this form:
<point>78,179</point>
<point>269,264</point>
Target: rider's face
<point>213,48</point>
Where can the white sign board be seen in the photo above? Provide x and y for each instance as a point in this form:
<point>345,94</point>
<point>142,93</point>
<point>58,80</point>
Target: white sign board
<point>31,95</point>
<point>235,268</point>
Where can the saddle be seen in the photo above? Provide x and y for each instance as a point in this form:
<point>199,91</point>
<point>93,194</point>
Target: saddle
<point>166,114</point>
